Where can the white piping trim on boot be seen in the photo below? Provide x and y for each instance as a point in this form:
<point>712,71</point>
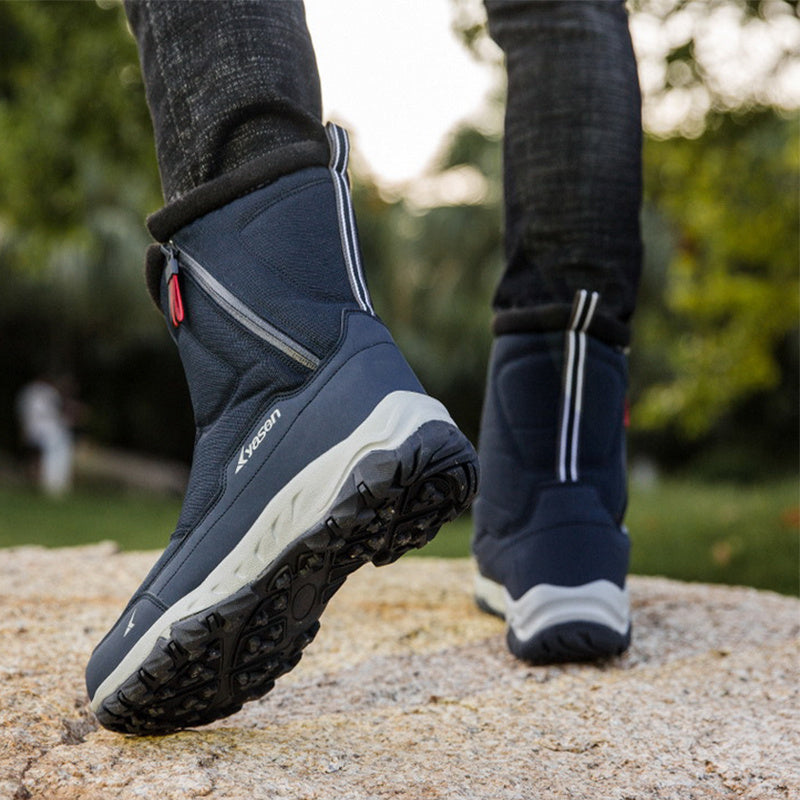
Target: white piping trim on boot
<point>340,150</point>
<point>583,311</point>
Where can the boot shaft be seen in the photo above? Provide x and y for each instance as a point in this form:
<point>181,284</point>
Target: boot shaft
<point>255,292</point>
<point>553,415</point>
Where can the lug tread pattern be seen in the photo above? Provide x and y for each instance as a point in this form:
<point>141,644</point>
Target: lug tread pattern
<point>216,660</point>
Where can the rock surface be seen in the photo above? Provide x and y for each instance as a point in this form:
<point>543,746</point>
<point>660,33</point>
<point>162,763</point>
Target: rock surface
<point>409,692</point>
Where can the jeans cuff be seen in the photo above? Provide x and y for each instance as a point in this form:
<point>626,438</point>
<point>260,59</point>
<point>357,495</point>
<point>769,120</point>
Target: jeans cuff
<point>219,192</point>
<point>228,187</point>
<point>556,317</point>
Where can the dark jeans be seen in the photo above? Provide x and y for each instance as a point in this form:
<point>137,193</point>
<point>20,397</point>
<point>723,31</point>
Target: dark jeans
<point>234,95</point>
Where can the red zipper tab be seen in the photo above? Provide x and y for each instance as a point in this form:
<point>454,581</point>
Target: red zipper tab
<point>174,287</point>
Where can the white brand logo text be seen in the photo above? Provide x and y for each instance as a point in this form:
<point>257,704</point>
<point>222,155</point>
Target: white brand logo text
<point>250,448</point>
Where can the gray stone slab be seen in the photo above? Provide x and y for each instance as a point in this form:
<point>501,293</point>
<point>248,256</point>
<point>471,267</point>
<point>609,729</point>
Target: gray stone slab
<point>408,692</point>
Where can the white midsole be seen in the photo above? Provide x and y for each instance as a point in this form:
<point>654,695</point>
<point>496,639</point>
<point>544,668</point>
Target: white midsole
<point>493,595</point>
<point>299,505</point>
<point>545,605</point>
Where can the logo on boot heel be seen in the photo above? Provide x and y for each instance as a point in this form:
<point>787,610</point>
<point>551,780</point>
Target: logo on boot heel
<point>250,448</point>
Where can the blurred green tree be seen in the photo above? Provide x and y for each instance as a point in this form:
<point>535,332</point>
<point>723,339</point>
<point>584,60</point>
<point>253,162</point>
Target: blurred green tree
<point>77,154</point>
<point>730,199</point>
<point>78,176</point>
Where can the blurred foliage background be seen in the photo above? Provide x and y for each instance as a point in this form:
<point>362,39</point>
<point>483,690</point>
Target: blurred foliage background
<point>715,359</point>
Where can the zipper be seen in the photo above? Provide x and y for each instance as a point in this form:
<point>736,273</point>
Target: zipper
<point>178,261</point>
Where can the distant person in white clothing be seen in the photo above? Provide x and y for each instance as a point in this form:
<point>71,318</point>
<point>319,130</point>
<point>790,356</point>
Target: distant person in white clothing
<point>45,426</point>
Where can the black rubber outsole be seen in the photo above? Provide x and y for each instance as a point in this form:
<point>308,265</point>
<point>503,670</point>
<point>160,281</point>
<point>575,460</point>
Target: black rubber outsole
<point>232,652</point>
<point>570,642</point>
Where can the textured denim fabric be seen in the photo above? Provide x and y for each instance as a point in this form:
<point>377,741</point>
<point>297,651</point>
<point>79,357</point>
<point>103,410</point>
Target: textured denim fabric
<point>232,82</point>
<point>227,82</point>
<point>572,155</point>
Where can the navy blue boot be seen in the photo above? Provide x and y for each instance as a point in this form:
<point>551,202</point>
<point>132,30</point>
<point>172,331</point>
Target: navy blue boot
<point>317,451</point>
<point>551,549</point>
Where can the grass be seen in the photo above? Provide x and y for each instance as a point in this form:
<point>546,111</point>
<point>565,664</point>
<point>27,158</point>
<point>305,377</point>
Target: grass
<point>135,520</point>
<point>721,533</point>
<point>732,534</point>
